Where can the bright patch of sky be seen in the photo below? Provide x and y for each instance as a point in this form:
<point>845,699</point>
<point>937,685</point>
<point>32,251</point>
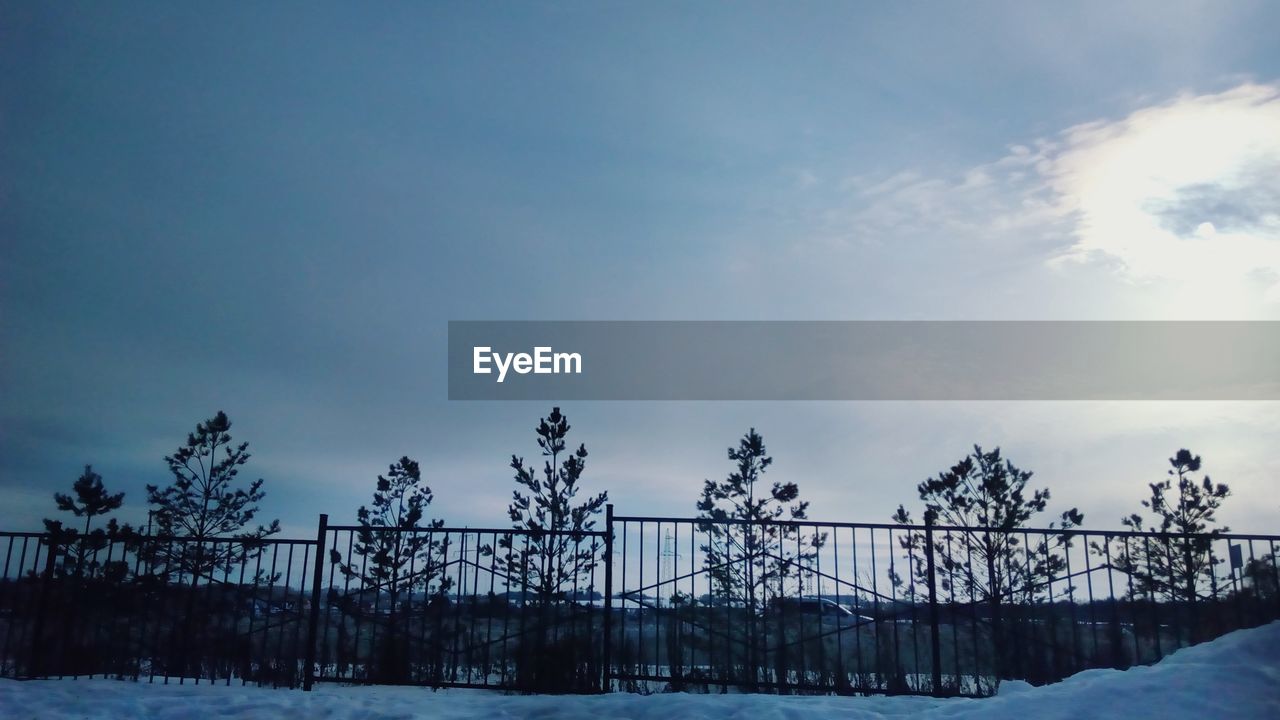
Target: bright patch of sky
<point>274,210</point>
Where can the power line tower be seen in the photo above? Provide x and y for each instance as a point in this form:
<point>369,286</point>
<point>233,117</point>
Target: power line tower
<point>669,557</point>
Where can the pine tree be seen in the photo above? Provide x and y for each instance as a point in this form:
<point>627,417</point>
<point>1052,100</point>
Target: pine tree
<point>987,564</point>
<point>394,555</point>
<point>390,540</point>
<point>203,503</point>
<point>550,559</point>
<point>1178,568</point>
<point>91,500</point>
<point>985,490</point>
<point>749,559</point>
<point>750,562</point>
<point>1260,576</point>
<point>558,557</point>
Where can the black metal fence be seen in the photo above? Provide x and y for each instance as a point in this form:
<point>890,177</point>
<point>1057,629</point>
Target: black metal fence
<point>646,604</point>
<point>876,608</point>
<point>154,608</point>
<point>450,607</point>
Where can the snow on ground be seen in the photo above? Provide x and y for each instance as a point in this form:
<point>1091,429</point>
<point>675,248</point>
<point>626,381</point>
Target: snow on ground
<point>1236,676</point>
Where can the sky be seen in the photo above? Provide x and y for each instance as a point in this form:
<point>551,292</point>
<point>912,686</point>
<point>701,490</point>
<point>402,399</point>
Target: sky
<point>275,210</point>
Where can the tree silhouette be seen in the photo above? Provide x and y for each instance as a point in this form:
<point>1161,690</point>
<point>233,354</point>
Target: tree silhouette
<point>90,500</point>
<point>750,562</point>
<point>989,563</point>
<point>1174,568</point>
<point>558,556</point>
<point>397,555</point>
<point>389,539</point>
<point>748,558</point>
<point>550,559</point>
<point>1260,576</point>
<point>204,505</point>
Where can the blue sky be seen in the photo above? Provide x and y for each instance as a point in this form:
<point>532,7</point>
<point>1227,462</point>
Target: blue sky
<point>274,211</point>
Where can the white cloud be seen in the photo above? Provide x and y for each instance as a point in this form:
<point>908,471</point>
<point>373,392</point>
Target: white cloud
<point>992,203</point>
<point>1182,196</point>
<point>1184,191</point>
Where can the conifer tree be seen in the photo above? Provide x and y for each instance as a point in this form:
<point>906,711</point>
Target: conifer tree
<point>549,560</point>
<point>394,555</point>
<point>557,557</point>
<point>90,500</point>
<point>204,503</point>
<point>1176,568</point>
<point>990,563</point>
<point>751,563</point>
<point>985,490</point>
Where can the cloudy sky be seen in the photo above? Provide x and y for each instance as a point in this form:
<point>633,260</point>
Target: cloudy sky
<point>275,210</point>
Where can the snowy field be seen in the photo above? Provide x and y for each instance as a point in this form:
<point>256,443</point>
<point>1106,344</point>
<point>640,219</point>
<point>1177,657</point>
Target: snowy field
<point>1236,676</point>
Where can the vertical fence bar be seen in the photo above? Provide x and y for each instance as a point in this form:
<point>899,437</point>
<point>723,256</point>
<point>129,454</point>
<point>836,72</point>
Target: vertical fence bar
<point>1155,607</point>
<point>994,600</point>
<point>51,557</point>
<point>861,680</point>
<point>638,661</point>
<point>1113,633</point>
<point>934,635</point>
<point>954,617</point>
<point>1275,571</point>
<point>606,660</point>
<point>1193,630</point>
<point>1075,653</point>
<point>641,615</point>
<point>313,622</point>
<point>10,600</point>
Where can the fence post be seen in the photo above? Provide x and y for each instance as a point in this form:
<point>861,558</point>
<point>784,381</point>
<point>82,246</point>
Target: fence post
<point>1190,572</point>
<point>997,627</point>
<point>607,652</point>
<point>313,622</point>
<point>934,634</point>
<point>50,560</point>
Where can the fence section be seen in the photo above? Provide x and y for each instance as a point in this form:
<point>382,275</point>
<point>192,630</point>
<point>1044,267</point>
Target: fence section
<point>875,608</point>
<point>647,604</point>
<point>154,608</point>
<point>449,607</point>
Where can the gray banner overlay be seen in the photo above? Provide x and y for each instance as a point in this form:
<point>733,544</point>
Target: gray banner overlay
<point>865,360</point>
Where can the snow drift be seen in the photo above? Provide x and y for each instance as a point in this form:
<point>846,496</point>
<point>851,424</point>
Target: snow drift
<point>1235,676</point>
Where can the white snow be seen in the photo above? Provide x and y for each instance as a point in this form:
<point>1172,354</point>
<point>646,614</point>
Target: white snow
<point>1236,676</point>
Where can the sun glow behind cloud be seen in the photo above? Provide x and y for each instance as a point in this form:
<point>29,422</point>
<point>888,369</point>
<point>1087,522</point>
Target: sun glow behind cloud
<point>1185,192</point>
<point>1179,201</point>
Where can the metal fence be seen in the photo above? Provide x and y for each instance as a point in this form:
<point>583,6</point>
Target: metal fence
<point>450,607</point>
<point>645,604</point>
<point>154,608</point>
<point>814,607</point>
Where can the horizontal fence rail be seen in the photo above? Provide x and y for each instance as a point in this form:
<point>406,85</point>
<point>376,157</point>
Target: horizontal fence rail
<point>463,607</point>
<point>644,604</point>
<point>812,607</point>
<point>154,608</point>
